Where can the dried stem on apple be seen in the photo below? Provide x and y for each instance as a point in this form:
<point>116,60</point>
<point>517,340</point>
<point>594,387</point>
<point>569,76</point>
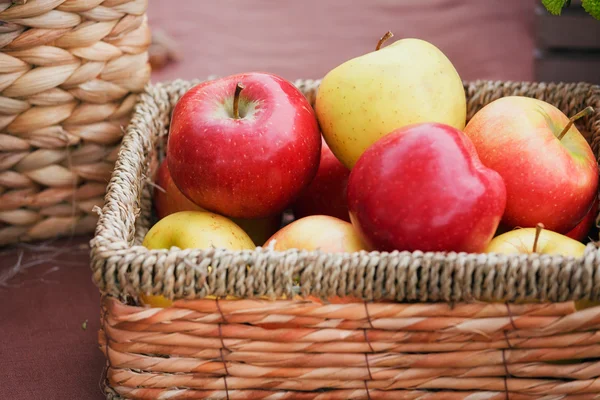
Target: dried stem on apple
<point>538,230</point>
<point>236,100</point>
<point>586,111</point>
<point>385,37</point>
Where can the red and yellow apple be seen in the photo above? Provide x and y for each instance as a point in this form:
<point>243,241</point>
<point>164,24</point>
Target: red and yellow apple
<point>326,194</point>
<point>243,146</point>
<point>549,179</point>
<point>422,187</point>
<point>168,199</point>
<point>318,232</point>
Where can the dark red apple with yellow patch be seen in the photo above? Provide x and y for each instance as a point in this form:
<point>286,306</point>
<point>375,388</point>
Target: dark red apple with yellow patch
<point>423,187</point>
<point>584,228</point>
<point>168,199</point>
<point>327,193</point>
<point>243,146</point>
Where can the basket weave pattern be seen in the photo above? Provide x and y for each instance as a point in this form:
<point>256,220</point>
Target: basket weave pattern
<point>412,325</point>
<point>70,74</point>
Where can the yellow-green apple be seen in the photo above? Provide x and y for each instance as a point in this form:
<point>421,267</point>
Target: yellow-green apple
<point>197,230</point>
<point>318,232</point>
<point>551,174</point>
<point>541,241</point>
<point>326,194</point>
<point>423,187</point>
<point>410,81</point>
<point>535,240</point>
<point>168,199</point>
<point>243,146</point>
<point>193,230</point>
<point>584,228</point>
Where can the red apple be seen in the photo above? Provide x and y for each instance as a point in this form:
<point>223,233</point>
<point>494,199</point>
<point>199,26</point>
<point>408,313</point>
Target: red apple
<point>549,179</point>
<point>243,146</point>
<point>326,194</point>
<point>169,200</point>
<point>318,232</point>
<point>582,230</point>
<point>423,187</point>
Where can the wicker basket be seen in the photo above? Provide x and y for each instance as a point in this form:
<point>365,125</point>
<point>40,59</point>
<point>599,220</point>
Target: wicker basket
<point>70,71</point>
<point>395,325</point>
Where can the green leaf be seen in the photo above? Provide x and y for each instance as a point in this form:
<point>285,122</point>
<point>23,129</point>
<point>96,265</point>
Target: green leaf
<point>555,6</point>
<point>592,7</point>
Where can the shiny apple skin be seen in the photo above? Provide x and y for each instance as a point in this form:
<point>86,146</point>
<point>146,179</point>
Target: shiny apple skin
<point>583,229</point>
<point>250,167</point>
<point>318,232</point>
<point>327,193</point>
<point>423,187</point>
<point>548,181</point>
<point>169,200</point>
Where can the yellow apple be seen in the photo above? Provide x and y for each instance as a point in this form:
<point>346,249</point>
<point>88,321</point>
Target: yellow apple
<point>542,241</point>
<point>318,232</point>
<point>194,230</point>
<point>535,240</point>
<point>363,99</point>
<point>155,301</point>
<point>197,230</point>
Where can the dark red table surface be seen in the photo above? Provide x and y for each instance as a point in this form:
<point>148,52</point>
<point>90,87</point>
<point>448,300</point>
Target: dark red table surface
<point>44,351</point>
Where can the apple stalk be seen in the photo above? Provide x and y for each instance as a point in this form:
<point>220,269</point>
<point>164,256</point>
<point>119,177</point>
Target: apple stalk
<point>586,111</point>
<point>538,231</point>
<point>236,100</point>
<point>385,37</point>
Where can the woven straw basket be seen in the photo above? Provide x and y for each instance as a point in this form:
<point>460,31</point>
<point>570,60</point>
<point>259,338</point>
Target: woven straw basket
<point>69,74</point>
<point>251,325</point>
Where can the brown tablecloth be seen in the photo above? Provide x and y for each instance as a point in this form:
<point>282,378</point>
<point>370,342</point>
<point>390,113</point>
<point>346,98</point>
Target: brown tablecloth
<point>44,351</point>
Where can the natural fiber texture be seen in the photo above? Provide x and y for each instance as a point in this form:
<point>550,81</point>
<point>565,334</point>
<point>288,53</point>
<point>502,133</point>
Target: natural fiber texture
<point>213,349</point>
<point>121,266</point>
<point>70,72</point>
<point>441,343</point>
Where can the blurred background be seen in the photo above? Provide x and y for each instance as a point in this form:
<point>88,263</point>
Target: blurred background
<point>491,39</point>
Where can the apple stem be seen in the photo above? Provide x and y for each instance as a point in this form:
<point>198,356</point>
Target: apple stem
<point>385,37</point>
<point>236,100</point>
<point>586,111</point>
<point>538,230</point>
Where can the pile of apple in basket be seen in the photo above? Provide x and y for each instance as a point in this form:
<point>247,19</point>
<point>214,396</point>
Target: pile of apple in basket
<point>384,161</point>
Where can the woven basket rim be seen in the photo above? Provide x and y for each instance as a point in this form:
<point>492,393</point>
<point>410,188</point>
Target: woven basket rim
<point>583,282</point>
